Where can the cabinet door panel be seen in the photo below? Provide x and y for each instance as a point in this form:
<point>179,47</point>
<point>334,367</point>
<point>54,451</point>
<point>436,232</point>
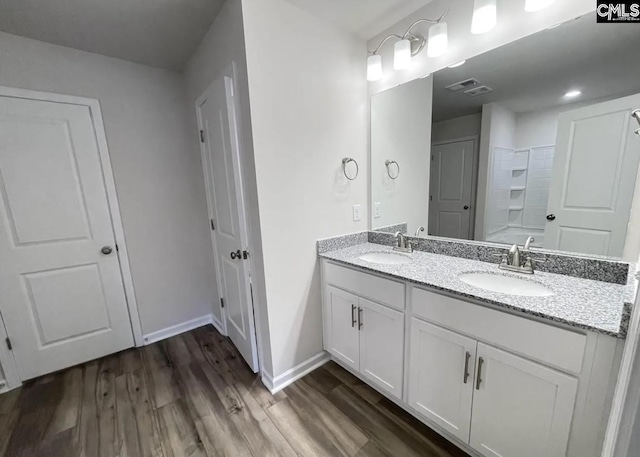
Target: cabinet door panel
<point>438,386</point>
<point>343,330</point>
<point>520,408</point>
<point>382,346</point>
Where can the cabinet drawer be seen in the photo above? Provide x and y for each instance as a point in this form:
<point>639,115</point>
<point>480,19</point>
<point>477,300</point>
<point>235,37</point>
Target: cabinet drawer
<point>551,345</point>
<point>376,288</point>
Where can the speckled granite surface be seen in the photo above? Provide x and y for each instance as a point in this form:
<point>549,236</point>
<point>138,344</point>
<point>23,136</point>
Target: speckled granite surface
<point>579,266</point>
<point>342,241</point>
<point>402,227</point>
<point>592,305</point>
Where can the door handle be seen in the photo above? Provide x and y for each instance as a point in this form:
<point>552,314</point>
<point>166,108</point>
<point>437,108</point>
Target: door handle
<point>466,367</point>
<point>551,217</point>
<point>360,323</point>
<point>353,316</point>
<point>236,255</point>
<point>466,207</point>
<point>479,375</point>
<point>106,250</point>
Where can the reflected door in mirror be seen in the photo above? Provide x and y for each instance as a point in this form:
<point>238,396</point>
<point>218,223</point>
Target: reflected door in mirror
<point>451,189</point>
<point>594,178</point>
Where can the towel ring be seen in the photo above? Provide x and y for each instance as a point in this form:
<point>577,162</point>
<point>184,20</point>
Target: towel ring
<point>345,161</point>
<point>388,163</point>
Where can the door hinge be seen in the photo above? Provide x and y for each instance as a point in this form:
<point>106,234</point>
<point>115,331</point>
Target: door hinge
<point>245,255</point>
<point>213,226</point>
<point>222,303</point>
<point>430,198</point>
<point>9,345</point>
<point>201,136</point>
<point>431,156</point>
<point>117,248</point>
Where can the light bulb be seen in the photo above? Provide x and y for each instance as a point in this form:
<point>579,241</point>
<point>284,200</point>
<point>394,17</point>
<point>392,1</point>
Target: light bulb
<point>536,5</point>
<point>438,40</point>
<point>374,67</point>
<point>484,16</point>
<point>402,55</point>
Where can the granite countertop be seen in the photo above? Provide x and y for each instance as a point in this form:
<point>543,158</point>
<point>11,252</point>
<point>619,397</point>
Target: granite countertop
<point>592,305</point>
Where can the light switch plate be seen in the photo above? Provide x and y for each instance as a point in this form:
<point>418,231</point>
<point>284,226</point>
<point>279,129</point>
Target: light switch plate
<point>357,213</point>
<point>376,210</point>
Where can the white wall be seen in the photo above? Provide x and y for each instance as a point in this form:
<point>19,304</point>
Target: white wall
<point>401,131</point>
<point>459,127</point>
<point>513,23</point>
<point>223,44</point>
<point>308,91</point>
<point>154,162</point>
<point>494,169</point>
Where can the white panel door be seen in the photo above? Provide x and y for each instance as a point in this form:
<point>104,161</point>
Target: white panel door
<point>520,408</point>
<point>381,345</point>
<point>344,338</point>
<point>441,376</point>
<point>451,189</point>
<point>62,299</point>
<point>594,176</point>
<point>221,159</point>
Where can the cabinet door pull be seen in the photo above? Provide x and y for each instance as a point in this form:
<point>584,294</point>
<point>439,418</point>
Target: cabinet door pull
<point>466,366</point>
<point>360,323</point>
<point>479,375</point>
<point>353,316</point>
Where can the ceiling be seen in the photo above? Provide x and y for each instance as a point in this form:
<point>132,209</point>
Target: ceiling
<point>160,33</point>
<point>363,18</point>
<point>601,60</point>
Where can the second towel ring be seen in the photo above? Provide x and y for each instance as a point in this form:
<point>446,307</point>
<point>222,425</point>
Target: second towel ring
<point>345,161</point>
<point>388,164</point>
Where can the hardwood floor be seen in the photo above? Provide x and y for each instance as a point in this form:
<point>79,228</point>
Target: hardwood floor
<point>193,396</point>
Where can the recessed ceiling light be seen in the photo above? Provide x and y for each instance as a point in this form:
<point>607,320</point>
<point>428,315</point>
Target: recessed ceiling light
<point>425,76</point>
<point>573,94</point>
<point>459,64</point>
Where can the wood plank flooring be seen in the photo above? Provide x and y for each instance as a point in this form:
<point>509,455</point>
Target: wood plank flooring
<point>193,396</point>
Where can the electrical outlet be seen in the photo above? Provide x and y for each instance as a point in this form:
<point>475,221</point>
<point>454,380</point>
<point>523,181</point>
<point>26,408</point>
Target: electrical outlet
<point>357,213</point>
<point>376,210</point>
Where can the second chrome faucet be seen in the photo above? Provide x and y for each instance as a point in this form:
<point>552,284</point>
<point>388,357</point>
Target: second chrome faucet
<point>402,244</point>
<point>517,260</point>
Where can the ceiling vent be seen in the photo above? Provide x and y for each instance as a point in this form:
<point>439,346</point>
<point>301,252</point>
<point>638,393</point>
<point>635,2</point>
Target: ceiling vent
<point>478,91</point>
<point>455,87</point>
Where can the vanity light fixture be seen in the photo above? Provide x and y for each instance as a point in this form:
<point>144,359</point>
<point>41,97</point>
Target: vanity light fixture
<point>484,16</point>
<point>459,64</point>
<point>402,54</point>
<point>531,6</point>
<point>409,45</point>
<point>573,94</point>
<point>374,67</point>
<point>438,40</point>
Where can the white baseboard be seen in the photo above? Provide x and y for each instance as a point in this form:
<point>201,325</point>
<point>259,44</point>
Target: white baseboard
<point>218,325</point>
<point>177,329</point>
<point>278,383</point>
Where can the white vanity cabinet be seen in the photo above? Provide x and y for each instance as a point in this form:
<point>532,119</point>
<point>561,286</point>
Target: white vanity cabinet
<point>442,367</point>
<point>501,404</point>
<point>520,408</point>
<point>367,337</point>
<point>497,384</point>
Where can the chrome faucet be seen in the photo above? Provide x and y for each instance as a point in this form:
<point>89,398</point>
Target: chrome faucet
<point>420,229</point>
<point>402,244</point>
<point>527,244</point>
<point>517,260</point>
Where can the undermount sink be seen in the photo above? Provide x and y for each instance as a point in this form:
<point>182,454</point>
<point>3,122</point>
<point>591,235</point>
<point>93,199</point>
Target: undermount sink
<point>506,284</point>
<point>387,258</point>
